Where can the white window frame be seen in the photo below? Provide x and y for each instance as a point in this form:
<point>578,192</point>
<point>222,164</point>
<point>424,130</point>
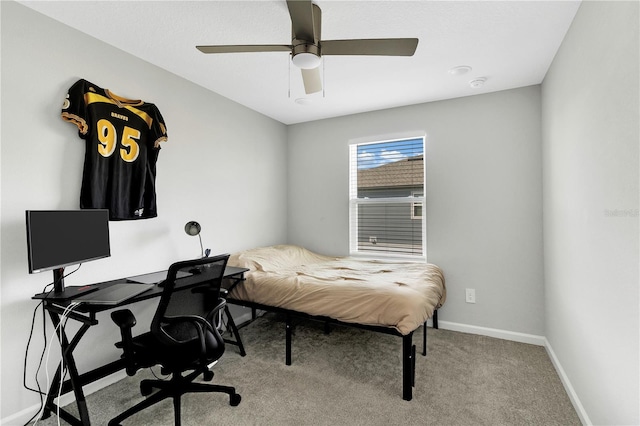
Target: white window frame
<point>354,201</point>
<point>416,203</point>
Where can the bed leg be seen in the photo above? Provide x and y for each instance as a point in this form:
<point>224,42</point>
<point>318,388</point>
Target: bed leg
<point>408,366</point>
<point>288,340</point>
<point>435,319</point>
<point>413,366</point>
<point>424,339</point>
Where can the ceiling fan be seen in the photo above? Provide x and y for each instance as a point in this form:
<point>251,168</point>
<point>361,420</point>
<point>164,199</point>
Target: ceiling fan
<point>307,47</point>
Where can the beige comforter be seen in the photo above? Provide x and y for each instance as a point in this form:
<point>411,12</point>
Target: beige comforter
<point>399,295</point>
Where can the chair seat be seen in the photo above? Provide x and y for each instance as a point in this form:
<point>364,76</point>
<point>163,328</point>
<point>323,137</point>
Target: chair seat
<point>150,349</point>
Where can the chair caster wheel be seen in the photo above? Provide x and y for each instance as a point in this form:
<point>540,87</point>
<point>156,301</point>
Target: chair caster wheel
<point>235,400</point>
<point>207,376</point>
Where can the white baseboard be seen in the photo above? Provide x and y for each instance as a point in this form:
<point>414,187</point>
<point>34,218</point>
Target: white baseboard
<point>464,328</point>
<point>532,339</point>
<point>582,414</point>
<point>22,417</point>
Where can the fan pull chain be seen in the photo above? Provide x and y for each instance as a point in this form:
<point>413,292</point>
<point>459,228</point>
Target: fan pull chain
<point>324,81</point>
<point>289,77</point>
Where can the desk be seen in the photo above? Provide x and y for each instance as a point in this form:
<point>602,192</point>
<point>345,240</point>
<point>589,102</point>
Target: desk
<point>86,315</point>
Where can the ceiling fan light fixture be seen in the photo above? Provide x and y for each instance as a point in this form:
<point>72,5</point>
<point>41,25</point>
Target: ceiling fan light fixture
<point>308,47</point>
<point>306,60</point>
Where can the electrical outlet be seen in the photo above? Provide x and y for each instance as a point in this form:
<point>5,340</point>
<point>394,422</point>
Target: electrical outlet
<point>470,295</point>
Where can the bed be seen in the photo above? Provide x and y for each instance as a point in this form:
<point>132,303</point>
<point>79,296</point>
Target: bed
<point>393,298</point>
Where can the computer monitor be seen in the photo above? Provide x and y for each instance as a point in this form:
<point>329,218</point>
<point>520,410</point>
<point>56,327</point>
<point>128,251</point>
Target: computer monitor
<point>59,238</point>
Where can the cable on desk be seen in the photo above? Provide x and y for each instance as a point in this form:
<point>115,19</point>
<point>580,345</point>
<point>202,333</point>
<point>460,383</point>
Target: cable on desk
<point>63,369</point>
<point>165,378</point>
<point>61,278</point>
<point>26,354</point>
<point>44,349</point>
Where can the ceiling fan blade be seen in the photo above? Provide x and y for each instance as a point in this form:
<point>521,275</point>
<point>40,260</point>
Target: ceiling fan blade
<point>301,12</point>
<point>245,48</point>
<point>312,81</point>
<point>380,46</point>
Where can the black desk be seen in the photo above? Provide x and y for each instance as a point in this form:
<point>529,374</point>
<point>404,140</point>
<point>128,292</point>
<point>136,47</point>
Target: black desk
<point>86,315</point>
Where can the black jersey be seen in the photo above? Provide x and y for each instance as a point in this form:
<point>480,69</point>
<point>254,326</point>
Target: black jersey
<point>122,144</point>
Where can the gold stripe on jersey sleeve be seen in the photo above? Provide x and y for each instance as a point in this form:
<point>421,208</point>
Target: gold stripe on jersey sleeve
<point>160,139</point>
<point>78,121</point>
<point>94,97</point>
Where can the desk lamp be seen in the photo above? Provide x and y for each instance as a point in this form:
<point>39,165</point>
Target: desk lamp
<point>193,228</point>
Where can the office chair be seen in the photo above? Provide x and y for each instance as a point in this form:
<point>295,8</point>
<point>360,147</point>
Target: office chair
<point>183,338</point>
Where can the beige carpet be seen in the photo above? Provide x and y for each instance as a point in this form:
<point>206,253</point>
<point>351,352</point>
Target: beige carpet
<point>353,377</point>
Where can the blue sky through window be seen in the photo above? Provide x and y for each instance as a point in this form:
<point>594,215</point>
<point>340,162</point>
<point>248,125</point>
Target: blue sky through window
<point>378,154</point>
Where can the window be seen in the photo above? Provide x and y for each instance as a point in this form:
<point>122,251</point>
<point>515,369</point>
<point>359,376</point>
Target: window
<point>386,198</point>
<point>416,208</point>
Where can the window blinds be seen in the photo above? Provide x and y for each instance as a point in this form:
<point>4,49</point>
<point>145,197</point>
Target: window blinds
<point>386,194</point>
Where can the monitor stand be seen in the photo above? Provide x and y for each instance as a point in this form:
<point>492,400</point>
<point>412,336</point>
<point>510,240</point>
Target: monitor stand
<point>58,280</point>
<point>60,292</point>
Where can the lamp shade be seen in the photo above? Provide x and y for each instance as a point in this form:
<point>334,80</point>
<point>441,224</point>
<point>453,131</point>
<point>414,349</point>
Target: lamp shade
<point>192,228</point>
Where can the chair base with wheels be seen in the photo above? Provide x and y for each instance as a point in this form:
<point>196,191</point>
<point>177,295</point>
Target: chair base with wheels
<point>174,388</point>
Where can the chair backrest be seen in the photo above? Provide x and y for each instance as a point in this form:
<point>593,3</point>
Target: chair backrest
<point>194,295</point>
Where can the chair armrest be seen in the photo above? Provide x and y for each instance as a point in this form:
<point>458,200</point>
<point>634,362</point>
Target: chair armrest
<point>126,321</point>
<point>123,318</point>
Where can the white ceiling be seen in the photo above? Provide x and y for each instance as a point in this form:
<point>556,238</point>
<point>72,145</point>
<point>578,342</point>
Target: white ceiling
<point>510,43</point>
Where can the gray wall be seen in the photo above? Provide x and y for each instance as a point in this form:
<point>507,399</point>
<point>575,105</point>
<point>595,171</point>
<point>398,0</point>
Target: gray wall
<point>590,163</point>
<point>215,168</point>
<point>483,198</point>
<point>485,160</point>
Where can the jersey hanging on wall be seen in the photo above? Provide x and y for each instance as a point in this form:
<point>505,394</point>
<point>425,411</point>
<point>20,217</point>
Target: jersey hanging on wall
<point>122,144</point>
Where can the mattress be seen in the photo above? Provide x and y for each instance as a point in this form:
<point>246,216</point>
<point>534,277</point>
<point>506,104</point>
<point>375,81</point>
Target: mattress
<point>402,295</point>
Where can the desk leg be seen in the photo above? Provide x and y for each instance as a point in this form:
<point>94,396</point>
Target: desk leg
<point>234,330</point>
<point>74,377</point>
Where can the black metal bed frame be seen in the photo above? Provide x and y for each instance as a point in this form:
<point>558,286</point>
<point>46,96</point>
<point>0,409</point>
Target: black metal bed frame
<point>408,348</point>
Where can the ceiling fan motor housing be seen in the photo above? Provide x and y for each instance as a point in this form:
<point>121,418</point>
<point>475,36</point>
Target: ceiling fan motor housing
<point>305,55</point>
<point>307,45</point>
